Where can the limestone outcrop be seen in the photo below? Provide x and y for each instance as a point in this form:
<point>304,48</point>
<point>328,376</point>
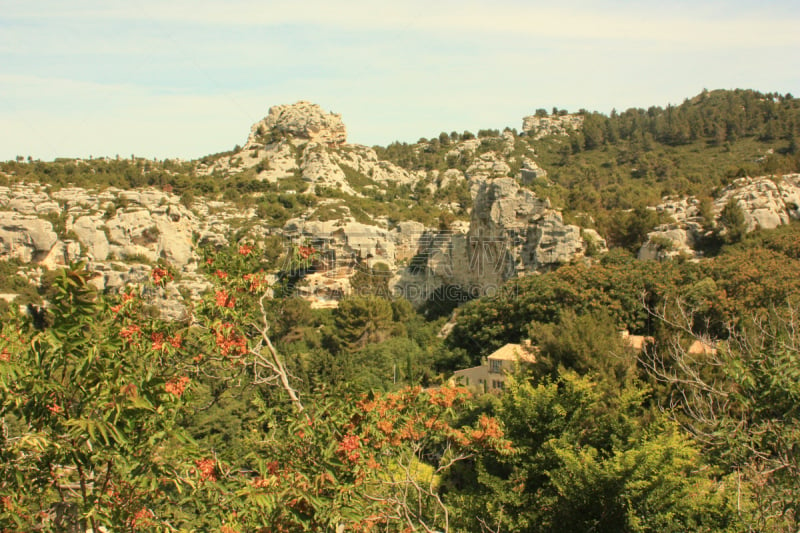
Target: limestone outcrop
<point>302,120</point>
<point>511,232</point>
<point>303,141</point>
<point>25,237</point>
<point>766,202</point>
<point>123,233</point>
<point>538,127</point>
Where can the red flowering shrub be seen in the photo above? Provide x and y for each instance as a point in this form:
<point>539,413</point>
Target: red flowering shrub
<point>349,446</point>
<point>96,446</point>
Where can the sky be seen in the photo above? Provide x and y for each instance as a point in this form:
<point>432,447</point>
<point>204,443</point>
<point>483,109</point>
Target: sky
<point>187,78</point>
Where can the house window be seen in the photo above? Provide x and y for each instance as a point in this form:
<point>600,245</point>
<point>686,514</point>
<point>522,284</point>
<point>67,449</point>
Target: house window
<point>495,366</point>
<point>497,384</point>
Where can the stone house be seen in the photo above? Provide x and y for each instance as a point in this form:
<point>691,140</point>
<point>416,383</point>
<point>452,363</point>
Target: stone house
<point>491,375</point>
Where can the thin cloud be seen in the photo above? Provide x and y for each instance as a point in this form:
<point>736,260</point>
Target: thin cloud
<point>715,25</point>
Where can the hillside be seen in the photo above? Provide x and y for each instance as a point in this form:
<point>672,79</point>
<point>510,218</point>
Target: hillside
<point>265,339</point>
<point>565,187</point>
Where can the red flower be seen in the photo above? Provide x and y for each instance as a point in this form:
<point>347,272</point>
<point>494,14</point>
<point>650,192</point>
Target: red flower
<point>221,274</point>
<point>224,300</point>
<point>158,340</point>
<point>55,408</point>
<point>306,251</point>
<point>159,274</point>
<point>176,341</point>
<point>245,249</point>
<point>176,386</point>
<point>130,331</point>
<point>142,518</point>
<point>229,341</point>
<point>5,355</point>
<point>349,447</point>
<point>208,469</point>
<point>257,280</point>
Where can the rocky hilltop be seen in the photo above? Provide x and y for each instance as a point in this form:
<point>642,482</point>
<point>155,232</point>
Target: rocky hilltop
<point>303,141</point>
<point>356,208</point>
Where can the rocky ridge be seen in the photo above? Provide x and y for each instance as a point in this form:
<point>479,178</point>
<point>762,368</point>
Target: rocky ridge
<point>510,232</point>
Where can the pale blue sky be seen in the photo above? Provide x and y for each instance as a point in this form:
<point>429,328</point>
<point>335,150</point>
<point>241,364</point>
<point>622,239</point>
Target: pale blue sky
<point>187,78</point>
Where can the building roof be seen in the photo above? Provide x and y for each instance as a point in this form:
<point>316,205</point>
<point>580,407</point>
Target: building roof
<point>699,347</point>
<point>637,342</point>
<point>514,352</point>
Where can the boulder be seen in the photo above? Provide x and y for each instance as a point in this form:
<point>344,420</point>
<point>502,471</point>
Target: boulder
<point>25,237</point>
<point>550,242</point>
<point>668,243</point>
<point>767,203</point>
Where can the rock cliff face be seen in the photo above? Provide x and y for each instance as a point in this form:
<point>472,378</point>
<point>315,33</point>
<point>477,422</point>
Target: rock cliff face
<point>120,234</point>
<point>511,232</point>
<point>25,237</point>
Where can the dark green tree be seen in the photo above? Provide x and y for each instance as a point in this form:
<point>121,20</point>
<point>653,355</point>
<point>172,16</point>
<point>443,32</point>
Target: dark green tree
<point>732,221</point>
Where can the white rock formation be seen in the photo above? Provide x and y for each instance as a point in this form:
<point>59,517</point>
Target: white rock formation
<point>25,237</point>
<point>511,232</point>
<point>302,120</point>
<point>767,202</point>
<point>538,127</point>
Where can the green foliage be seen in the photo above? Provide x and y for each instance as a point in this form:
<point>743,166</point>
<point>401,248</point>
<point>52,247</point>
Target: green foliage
<point>630,228</point>
<point>372,280</point>
<point>589,460</point>
<point>584,343</point>
<point>361,320</point>
<point>615,286</point>
<point>741,401</point>
<point>732,220</point>
<point>96,406</point>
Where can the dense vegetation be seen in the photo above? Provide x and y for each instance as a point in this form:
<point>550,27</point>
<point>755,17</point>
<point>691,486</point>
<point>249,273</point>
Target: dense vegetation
<point>262,414</point>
